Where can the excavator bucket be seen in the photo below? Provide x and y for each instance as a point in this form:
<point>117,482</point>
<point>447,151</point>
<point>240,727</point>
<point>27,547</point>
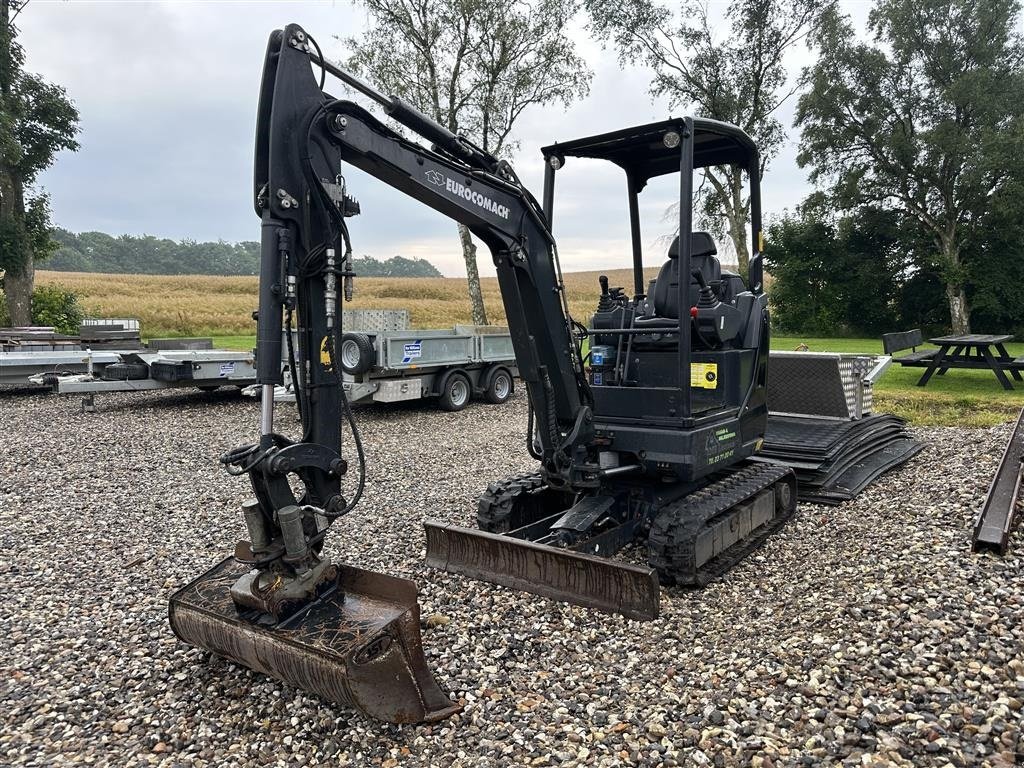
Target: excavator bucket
<point>358,645</point>
<point>561,574</point>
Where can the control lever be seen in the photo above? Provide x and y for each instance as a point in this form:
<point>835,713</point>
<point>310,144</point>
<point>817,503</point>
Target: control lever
<point>707,297</point>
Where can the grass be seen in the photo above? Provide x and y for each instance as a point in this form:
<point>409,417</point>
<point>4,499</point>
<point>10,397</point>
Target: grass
<point>200,305</point>
<point>961,398</point>
<point>221,307</point>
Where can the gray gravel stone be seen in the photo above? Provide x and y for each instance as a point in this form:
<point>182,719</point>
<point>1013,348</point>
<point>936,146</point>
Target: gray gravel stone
<point>860,635</point>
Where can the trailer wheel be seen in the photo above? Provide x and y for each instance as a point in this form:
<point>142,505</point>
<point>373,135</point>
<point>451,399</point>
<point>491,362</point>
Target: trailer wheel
<point>357,355</point>
<point>499,386</point>
<point>456,391</point>
<point>125,372</point>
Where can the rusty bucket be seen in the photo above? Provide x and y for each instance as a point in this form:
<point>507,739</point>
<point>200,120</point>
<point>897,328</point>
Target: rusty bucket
<point>359,646</point>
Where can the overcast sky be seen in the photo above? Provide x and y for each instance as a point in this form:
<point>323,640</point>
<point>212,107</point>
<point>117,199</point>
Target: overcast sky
<point>167,93</point>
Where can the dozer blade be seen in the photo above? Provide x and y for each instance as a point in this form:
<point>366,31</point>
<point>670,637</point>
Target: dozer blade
<point>561,574</point>
<point>359,645</point>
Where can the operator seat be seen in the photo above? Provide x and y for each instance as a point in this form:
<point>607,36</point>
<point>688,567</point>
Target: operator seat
<point>663,294</point>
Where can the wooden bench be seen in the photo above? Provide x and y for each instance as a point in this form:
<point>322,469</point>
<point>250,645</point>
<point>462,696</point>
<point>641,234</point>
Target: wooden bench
<point>897,342</point>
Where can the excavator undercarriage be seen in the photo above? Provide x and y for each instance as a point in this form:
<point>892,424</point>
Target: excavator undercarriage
<point>641,423</point>
<point>532,538</point>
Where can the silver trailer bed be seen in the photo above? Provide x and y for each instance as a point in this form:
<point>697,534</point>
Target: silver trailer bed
<point>405,364</point>
<point>167,369</point>
<point>17,368</point>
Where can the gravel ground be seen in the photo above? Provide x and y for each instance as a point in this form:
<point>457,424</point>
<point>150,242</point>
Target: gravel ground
<point>860,635</point>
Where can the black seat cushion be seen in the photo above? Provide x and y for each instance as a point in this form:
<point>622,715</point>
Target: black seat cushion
<point>665,296</point>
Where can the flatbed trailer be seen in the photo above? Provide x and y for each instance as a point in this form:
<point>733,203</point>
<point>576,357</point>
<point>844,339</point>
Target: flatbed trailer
<point>204,369</point>
<point>21,367</point>
<point>386,362</point>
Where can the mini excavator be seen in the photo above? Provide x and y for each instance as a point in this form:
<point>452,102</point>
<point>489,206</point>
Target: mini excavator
<point>640,423</point>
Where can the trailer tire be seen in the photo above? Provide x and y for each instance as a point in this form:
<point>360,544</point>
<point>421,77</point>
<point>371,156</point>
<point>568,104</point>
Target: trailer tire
<point>125,372</point>
<point>500,386</point>
<point>455,391</point>
<point>357,353</point>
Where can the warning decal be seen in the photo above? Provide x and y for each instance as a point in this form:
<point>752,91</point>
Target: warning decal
<point>704,375</point>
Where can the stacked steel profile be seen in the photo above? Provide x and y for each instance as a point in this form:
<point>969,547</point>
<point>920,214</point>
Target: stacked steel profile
<point>820,425</point>
<point>836,460</point>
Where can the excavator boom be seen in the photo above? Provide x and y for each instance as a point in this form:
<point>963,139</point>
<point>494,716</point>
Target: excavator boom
<point>649,440</point>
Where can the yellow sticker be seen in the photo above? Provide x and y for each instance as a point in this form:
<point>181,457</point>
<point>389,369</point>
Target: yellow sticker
<point>760,241</point>
<point>325,353</point>
<point>704,375</point>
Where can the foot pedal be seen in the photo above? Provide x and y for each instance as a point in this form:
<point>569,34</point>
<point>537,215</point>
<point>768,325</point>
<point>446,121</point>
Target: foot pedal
<point>359,645</point>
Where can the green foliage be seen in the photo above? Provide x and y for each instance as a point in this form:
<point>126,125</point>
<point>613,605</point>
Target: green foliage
<point>55,306</point>
<point>927,120</point>
<point>737,77</point>
<point>148,255</point>
<point>37,120</point>
<point>472,65</point>
<point>839,278</point>
<point>396,266</point>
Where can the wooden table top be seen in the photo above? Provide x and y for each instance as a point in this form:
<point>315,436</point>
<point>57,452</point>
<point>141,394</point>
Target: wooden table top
<point>972,339</point>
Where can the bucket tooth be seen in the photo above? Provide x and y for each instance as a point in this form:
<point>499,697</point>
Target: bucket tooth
<point>560,574</point>
<point>359,645</point>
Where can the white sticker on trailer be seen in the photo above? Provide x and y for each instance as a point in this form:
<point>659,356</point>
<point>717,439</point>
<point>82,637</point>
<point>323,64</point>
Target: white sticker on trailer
<point>226,369</point>
<point>411,351</point>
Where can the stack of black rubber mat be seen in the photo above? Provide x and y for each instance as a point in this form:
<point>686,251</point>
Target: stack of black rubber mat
<point>836,460</point>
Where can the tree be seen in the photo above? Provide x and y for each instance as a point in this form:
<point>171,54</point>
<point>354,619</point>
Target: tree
<point>474,66</point>
<point>837,276</point>
<point>925,119</point>
<point>37,120</point>
<point>739,79</point>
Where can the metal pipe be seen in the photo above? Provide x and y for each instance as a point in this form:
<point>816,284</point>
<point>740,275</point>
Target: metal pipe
<point>634,233</point>
<point>755,268</point>
<point>620,470</point>
<point>255,525</point>
<point>290,521</point>
<point>549,192</point>
<point>632,331</point>
<point>267,409</point>
<point>330,290</point>
<point>685,247</point>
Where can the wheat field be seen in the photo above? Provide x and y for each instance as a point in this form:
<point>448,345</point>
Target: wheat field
<point>202,305</point>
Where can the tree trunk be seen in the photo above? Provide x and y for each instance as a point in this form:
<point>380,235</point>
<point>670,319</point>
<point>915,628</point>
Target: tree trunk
<point>959,311</point>
<point>20,270</point>
<point>729,194</point>
<point>736,212</point>
<point>476,296</point>
<point>18,288</point>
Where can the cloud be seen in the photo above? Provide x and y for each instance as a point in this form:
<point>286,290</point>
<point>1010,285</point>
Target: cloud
<point>167,93</point>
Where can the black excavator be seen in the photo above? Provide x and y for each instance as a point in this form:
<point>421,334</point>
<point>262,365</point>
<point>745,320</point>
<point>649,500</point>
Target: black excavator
<point>640,423</point>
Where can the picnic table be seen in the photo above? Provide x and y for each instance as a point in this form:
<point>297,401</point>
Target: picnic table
<point>973,350</point>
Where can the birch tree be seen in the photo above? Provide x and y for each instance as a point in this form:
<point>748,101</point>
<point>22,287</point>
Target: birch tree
<point>474,66</point>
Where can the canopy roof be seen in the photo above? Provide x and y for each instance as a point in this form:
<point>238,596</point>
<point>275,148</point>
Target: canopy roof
<point>642,152</point>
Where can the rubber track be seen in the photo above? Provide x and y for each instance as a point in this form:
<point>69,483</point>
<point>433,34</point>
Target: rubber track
<point>677,526</point>
<point>494,508</point>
